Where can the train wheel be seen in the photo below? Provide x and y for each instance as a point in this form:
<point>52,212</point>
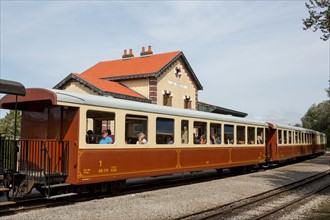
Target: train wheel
<point>116,186</point>
<point>220,172</point>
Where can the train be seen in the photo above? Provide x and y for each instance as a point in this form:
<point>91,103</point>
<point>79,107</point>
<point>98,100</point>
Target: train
<point>59,153</point>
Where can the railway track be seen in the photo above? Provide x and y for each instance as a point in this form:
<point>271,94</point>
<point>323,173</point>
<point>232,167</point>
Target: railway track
<point>268,204</point>
<point>137,186</point>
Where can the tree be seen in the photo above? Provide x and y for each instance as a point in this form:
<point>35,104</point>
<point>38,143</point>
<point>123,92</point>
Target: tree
<point>318,118</point>
<point>7,124</point>
<point>319,17</point>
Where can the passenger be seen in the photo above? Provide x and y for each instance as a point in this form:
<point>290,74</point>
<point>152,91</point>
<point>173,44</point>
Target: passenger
<point>259,140</point>
<point>202,140</point>
<point>215,140</point>
<point>105,138</point>
<point>169,140</point>
<point>90,139</point>
<point>142,139</point>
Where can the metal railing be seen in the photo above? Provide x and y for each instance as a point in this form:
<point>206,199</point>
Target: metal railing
<point>41,159</point>
<point>37,159</point>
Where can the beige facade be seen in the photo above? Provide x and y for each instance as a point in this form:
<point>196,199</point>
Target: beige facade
<point>140,86</point>
<point>179,86</point>
<point>74,86</point>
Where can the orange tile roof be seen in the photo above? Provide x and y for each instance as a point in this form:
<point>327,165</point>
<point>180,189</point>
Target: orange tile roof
<point>108,86</point>
<point>130,67</point>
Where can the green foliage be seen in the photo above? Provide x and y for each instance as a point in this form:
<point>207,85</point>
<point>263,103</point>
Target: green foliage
<point>319,17</point>
<point>318,118</point>
<point>7,124</point>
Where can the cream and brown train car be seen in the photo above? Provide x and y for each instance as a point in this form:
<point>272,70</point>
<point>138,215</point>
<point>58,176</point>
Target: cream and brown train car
<point>60,152</point>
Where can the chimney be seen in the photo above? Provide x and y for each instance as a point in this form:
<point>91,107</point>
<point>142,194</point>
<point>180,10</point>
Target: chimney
<point>144,53</point>
<point>130,55</point>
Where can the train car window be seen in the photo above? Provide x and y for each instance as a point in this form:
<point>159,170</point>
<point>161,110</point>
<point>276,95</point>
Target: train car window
<point>279,136</point>
<point>184,131</point>
<point>251,135</point>
<point>285,137</point>
<point>200,135</point>
<point>98,124</point>
<point>215,130</point>
<point>229,134</point>
<point>164,131</point>
<point>295,137</point>
<point>260,136</point>
<point>290,137</point>
<point>240,134</point>
<point>135,126</point>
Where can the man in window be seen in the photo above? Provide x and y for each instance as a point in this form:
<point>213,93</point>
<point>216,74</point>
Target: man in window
<point>105,138</point>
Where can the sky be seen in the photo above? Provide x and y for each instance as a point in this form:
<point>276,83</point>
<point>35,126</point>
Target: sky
<point>250,56</point>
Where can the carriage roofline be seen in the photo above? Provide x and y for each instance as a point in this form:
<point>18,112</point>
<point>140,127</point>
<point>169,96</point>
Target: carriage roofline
<point>53,96</point>
<point>88,99</point>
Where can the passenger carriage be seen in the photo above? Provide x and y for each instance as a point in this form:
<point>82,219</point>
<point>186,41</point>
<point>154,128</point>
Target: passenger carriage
<point>59,157</point>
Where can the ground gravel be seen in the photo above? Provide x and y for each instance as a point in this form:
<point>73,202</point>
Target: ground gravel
<point>179,201</point>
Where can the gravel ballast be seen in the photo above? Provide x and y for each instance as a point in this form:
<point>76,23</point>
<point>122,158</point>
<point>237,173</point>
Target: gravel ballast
<point>179,201</point>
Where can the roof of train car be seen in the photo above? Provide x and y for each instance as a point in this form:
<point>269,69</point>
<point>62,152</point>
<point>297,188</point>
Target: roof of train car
<point>56,95</point>
<point>88,99</point>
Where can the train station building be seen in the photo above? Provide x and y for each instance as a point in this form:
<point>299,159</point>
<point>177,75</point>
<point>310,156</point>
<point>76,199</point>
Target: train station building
<point>164,79</point>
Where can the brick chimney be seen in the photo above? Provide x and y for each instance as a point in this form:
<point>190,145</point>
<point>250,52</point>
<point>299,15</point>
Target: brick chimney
<point>130,55</point>
<point>144,52</point>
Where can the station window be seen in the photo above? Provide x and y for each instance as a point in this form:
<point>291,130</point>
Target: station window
<point>164,131</point>
<point>240,134</point>
<point>187,102</point>
<point>229,134</point>
<point>279,136</point>
<point>167,98</point>
<point>135,125</point>
<point>285,136</point>
<point>200,135</point>
<point>260,136</point>
<point>184,131</point>
<point>251,135</point>
<point>96,123</point>
<point>215,130</point>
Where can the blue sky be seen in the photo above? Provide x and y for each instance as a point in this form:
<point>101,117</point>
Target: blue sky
<point>251,56</point>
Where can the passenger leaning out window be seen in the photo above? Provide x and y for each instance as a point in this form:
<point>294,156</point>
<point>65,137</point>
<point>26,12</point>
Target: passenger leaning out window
<point>142,139</point>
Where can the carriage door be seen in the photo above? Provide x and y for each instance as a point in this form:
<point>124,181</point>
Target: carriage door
<point>271,143</point>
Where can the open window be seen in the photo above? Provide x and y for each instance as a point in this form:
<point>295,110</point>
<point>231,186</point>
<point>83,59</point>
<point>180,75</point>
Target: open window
<point>134,125</point>
<point>96,123</point>
<point>200,135</point>
<point>184,131</point>
<point>164,131</point>
<point>229,134</point>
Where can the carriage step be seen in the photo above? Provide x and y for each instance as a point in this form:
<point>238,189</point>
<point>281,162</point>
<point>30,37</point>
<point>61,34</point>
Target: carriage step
<point>56,185</point>
<point>7,203</point>
<point>4,190</point>
<point>63,195</point>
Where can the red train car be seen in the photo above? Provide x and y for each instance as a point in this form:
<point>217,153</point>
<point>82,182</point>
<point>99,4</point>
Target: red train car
<point>61,151</point>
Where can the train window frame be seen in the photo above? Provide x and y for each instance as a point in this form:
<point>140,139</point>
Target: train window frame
<point>228,135</point>
<point>96,124</point>
<point>163,137</point>
<point>240,132</point>
<point>251,137</point>
<point>200,131</point>
<point>279,136</point>
<point>290,137</point>
<point>261,133</point>
<point>135,127</point>
<point>216,130</point>
<point>285,136</point>
<point>185,131</point>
